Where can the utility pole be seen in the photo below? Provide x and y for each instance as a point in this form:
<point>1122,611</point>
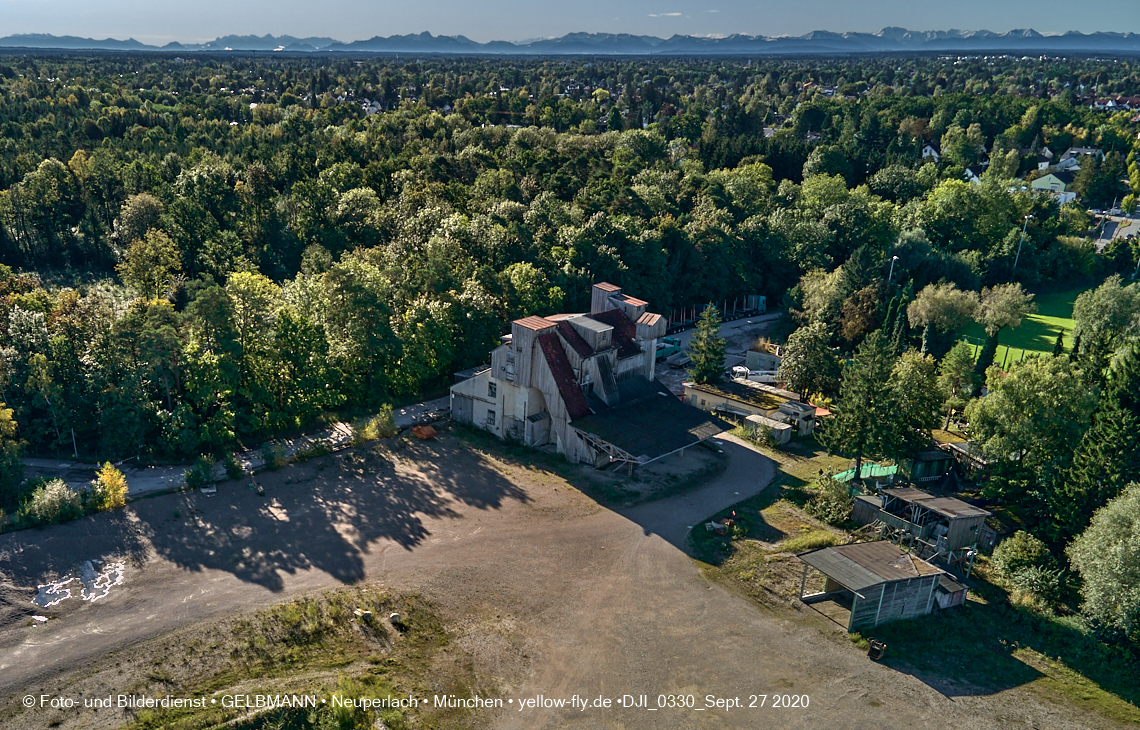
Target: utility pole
<point>1019,245</point>
<point>892,271</point>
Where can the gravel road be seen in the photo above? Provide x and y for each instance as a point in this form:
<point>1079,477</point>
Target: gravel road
<point>594,602</point>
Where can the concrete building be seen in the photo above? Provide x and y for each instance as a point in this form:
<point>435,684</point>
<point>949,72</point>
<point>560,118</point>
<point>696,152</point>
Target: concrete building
<point>585,384</point>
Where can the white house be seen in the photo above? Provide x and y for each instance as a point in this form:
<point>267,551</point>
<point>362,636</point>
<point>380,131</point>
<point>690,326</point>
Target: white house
<point>931,152</point>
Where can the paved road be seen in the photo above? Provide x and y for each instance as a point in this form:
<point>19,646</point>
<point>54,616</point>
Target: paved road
<point>603,603</point>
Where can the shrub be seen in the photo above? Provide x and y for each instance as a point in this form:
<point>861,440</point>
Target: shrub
<point>52,502</point>
<point>273,454</point>
<point>382,425</point>
<point>108,489</point>
<point>233,468</point>
<point>1025,564</point>
<point>200,474</point>
<point>1019,552</point>
<point>832,502</point>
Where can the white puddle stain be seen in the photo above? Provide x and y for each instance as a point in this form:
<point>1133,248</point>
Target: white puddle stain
<point>93,585</point>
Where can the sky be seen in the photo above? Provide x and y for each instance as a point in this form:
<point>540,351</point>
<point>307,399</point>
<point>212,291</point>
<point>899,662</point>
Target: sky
<point>194,21</point>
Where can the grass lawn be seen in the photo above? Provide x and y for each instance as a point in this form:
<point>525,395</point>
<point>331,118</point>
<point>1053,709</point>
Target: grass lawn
<point>1038,331</point>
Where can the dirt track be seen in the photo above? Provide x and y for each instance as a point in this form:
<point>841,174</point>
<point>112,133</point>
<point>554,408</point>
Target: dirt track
<point>586,601</point>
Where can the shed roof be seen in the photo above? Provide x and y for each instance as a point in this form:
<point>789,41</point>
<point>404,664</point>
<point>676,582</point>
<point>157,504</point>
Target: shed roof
<point>649,319</point>
<point>862,565</point>
<point>534,323</point>
<point>948,506</point>
<point>606,286</point>
<point>632,301</point>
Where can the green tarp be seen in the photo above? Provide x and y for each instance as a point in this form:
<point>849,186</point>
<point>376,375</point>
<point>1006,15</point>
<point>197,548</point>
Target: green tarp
<point>870,471</point>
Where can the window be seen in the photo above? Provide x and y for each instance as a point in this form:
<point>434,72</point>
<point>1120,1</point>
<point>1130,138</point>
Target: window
<point>492,389</point>
<point>490,418</point>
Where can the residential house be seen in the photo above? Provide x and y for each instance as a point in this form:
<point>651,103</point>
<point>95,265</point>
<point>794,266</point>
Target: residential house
<point>930,152</point>
<point>974,173</point>
<point>585,384</point>
<point>1054,182</point>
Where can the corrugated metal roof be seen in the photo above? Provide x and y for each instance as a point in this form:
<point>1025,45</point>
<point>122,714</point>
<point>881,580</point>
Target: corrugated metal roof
<point>534,323</point>
<point>632,301</point>
<point>606,286</point>
<point>568,388</point>
<point>625,332</point>
<point>947,506</point>
<point>862,565</point>
<point>649,319</point>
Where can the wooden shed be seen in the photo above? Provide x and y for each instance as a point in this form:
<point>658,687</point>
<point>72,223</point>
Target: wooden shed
<point>946,523</point>
<point>870,583</point>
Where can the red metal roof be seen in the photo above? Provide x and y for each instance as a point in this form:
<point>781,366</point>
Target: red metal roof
<point>625,332</point>
<point>632,301</point>
<point>606,286</point>
<point>574,339</point>
<point>568,387</point>
<point>534,323</point>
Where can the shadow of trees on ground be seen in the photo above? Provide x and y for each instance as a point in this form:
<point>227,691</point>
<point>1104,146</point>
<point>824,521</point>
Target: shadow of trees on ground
<point>983,648</point>
<point>324,514</point>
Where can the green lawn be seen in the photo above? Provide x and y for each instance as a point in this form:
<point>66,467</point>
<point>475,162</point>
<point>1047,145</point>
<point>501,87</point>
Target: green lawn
<point>1037,333</point>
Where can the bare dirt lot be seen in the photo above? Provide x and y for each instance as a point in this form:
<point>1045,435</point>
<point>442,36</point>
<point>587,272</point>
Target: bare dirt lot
<point>550,593</point>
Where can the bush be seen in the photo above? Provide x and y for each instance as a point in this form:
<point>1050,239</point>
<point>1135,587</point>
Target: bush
<point>382,425</point>
<point>201,474</point>
<point>832,502</point>
<point>53,502</point>
<point>1019,552</point>
<point>233,468</point>
<point>108,489</point>
<point>1025,564</point>
<point>273,454</point>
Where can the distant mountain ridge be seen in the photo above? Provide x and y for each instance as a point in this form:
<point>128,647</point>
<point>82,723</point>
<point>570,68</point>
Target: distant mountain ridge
<point>885,41</point>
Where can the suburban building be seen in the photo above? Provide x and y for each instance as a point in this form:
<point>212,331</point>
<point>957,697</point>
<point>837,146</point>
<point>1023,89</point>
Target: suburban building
<point>1053,182</point>
<point>931,152</point>
<point>743,398</point>
<point>871,583</point>
<point>584,384</point>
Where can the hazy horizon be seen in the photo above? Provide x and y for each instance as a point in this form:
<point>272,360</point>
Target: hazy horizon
<point>516,21</point>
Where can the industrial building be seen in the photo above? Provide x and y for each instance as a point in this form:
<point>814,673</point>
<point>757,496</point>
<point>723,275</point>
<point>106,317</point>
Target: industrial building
<point>741,398</point>
<point>585,384</point>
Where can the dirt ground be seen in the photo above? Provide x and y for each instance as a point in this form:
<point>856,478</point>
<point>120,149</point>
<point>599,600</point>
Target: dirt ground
<point>549,592</point>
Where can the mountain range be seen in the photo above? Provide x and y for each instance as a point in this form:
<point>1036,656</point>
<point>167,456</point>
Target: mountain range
<point>887,40</point>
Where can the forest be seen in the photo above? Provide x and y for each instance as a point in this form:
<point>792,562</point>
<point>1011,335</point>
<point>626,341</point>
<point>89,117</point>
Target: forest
<point>201,253</point>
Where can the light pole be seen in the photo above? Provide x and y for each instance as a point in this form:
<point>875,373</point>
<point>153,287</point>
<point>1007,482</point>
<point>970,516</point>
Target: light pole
<point>892,271</point>
<point>1019,245</point>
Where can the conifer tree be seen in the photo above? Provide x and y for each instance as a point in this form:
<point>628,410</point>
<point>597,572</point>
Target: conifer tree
<point>707,348</point>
